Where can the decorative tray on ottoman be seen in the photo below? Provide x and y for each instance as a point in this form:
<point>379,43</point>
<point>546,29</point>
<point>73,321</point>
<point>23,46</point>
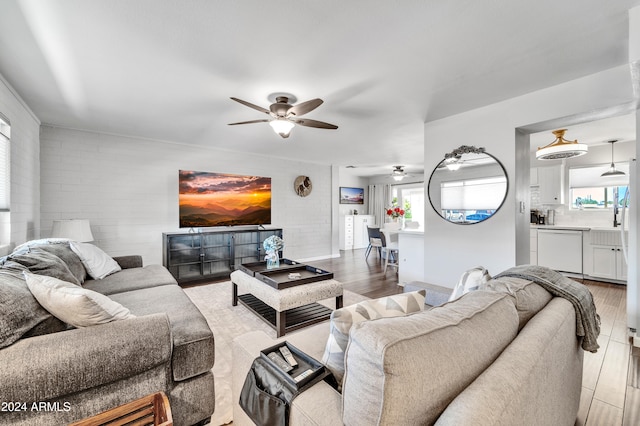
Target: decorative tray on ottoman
<point>253,267</point>
<point>292,276</point>
<point>305,374</point>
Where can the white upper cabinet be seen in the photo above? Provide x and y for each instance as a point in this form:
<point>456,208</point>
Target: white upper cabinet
<point>550,181</point>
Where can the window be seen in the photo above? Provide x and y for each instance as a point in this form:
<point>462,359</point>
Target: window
<point>472,200</point>
<point>5,136</point>
<point>410,197</point>
<point>589,190</point>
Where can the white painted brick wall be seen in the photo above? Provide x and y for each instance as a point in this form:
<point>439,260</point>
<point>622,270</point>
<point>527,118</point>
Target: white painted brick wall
<point>23,222</point>
<point>128,188</point>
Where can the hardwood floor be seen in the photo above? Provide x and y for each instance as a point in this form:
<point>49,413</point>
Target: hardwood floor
<point>611,377</point>
<point>610,381</point>
<point>365,277</point>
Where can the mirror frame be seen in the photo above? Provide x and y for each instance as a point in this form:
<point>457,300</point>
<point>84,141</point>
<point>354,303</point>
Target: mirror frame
<point>465,149</point>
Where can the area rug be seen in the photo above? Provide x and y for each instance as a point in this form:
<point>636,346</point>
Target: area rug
<point>227,322</point>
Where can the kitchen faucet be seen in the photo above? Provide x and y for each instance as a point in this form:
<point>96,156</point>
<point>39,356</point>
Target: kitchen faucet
<point>615,207</point>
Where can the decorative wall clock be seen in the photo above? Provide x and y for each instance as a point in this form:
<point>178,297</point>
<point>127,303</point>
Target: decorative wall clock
<point>302,185</point>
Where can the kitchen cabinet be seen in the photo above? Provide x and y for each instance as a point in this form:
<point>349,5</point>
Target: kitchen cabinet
<point>604,257</point>
<point>533,177</point>
<point>360,233</point>
<point>346,233</point>
<point>550,183</point>
<point>411,252</point>
<point>353,232</point>
<point>608,262</point>
<point>533,246</point>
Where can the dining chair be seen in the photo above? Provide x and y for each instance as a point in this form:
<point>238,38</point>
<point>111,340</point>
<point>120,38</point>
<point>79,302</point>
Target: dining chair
<point>374,241</point>
<point>390,249</point>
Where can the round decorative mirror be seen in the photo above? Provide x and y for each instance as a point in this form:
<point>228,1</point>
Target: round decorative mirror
<point>468,186</point>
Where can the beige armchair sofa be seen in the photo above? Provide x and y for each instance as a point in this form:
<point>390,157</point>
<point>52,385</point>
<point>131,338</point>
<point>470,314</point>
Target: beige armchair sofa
<point>489,358</point>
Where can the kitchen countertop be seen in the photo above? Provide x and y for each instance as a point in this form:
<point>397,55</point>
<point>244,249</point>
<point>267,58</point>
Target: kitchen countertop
<point>411,231</point>
<point>575,228</point>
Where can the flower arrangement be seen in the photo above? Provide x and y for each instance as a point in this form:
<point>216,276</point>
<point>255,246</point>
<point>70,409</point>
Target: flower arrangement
<point>272,246</point>
<point>395,212</point>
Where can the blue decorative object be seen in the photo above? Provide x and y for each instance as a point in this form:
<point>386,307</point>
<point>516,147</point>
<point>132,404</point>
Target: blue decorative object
<point>272,246</point>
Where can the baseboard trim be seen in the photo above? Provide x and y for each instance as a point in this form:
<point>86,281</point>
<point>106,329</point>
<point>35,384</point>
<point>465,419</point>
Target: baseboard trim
<point>311,259</point>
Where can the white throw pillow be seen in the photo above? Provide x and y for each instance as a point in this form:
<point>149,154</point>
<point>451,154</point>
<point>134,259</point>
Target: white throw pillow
<point>74,305</point>
<point>97,263</point>
<point>343,319</point>
<point>471,280</point>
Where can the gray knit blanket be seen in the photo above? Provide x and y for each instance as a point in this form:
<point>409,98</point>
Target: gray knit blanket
<point>587,319</point>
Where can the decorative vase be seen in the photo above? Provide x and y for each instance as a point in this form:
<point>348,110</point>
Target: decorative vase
<point>273,261</point>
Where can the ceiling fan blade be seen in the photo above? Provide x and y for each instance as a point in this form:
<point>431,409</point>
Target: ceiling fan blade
<point>313,123</point>
<point>249,122</point>
<point>250,105</point>
<point>305,107</point>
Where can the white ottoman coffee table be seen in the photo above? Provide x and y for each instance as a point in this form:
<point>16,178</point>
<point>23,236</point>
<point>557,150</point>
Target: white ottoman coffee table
<point>287,309</point>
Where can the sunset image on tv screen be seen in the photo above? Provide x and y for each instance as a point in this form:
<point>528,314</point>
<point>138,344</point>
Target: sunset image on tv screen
<point>217,199</point>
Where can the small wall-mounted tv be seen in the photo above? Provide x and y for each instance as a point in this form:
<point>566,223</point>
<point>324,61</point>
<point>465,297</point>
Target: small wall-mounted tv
<point>219,199</point>
<point>351,195</point>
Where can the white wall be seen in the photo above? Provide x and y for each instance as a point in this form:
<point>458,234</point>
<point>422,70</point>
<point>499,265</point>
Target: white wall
<point>128,189</point>
<point>450,249</point>
<point>23,222</point>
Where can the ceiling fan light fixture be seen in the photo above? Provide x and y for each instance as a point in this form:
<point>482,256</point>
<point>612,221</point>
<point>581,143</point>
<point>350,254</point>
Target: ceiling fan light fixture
<point>612,171</point>
<point>398,173</point>
<point>282,126</point>
<point>561,148</point>
<point>453,166</point>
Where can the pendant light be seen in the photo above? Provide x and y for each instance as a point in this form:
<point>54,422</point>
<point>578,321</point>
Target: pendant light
<point>611,172</point>
<point>561,148</point>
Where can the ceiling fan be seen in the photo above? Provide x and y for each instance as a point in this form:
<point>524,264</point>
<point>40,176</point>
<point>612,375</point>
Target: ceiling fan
<point>398,173</point>
<point>284,116</point>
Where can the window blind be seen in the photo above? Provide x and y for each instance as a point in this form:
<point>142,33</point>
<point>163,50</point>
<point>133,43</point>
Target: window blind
<point>473,194</point>
<point>589,177</point>
<point>5,137</point>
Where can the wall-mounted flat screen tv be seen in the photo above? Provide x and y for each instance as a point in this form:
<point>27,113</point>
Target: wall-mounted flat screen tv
<point>219,199</point>
<point>351,195</point>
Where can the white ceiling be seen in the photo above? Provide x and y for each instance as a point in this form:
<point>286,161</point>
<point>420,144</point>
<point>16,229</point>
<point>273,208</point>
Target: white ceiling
<point>165,69</point>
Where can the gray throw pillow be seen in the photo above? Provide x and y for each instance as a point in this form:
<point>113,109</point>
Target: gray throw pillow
<point>20,313</point>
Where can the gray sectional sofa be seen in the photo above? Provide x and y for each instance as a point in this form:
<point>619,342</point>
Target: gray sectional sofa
<point>505,355</point>
<point>54,374</point>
